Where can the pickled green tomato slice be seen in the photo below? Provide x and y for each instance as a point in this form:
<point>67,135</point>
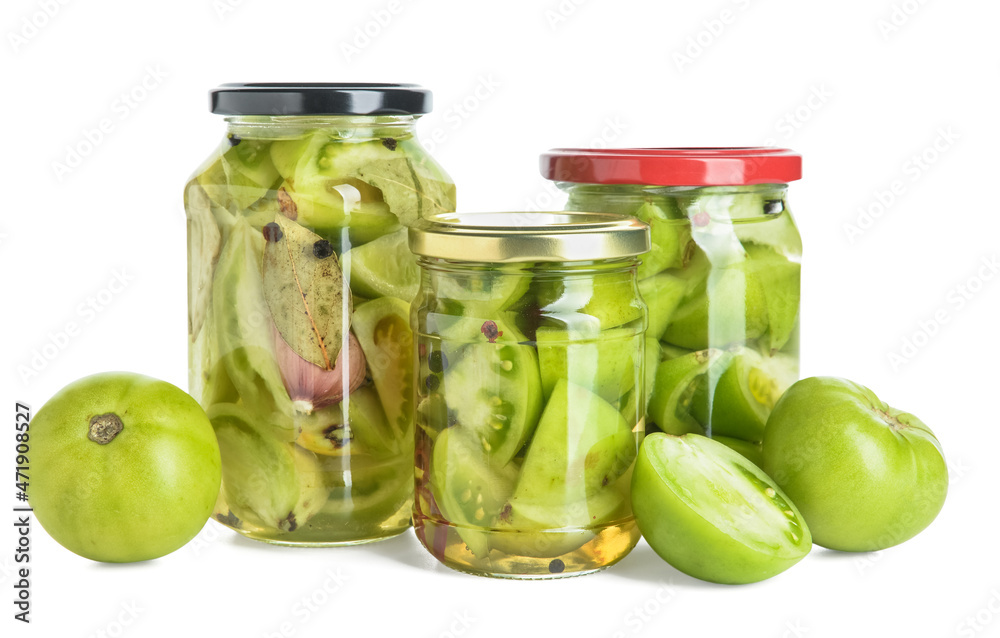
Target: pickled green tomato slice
<point>469,488</point>
<point>368,186</point>
<point>243,325</point>
<point>581,446</point>
<point>483,293</point>
<point>265,482</point>
<point>745,390</point>
<point>365,431</point>
<point>674,388</point>
<point>603,362</point>
<point>726,303</point>
<point>249,171</point>
<point>730,308</point>
<point>592,302</point>
<point>495,392</point>
<point>713,514</point>
<point>779,277</point>
<point>382,327</point>
<point>384,267</point>
<point>364,488</point>
<point>287,153</point>
<point>568,487</point>
<point>670,237</point>
<point>662,293</point>
<point>326,189</point>
<point>239,174</point>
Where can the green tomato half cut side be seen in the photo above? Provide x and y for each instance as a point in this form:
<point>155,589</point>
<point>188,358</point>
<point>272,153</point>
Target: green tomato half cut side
<point>713,514</point>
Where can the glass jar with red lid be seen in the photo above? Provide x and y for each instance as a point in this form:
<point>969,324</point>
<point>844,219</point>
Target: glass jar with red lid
<point>721,280</point>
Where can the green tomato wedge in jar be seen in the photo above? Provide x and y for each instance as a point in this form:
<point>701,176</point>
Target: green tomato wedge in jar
<point>605,362</point>
<point>713,514</point>
<point>495,391</point>
<point>729,307</point>
<point>469,488</point>
<point>745,390</point>
<point>382,327</point>
<point>674,388</point>
<point>244,326</point>
<point>567,484</point>
<point>365,431</point>
<point>383,267</point>
<point>670,236</point>
<point>779,278</point>
<point>265,482</point>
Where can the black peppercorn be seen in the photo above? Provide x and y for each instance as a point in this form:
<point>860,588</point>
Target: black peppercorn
<point>272,232</point>
<point>322,249</point>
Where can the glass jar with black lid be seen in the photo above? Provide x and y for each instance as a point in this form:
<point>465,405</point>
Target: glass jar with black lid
<point>300,280</point>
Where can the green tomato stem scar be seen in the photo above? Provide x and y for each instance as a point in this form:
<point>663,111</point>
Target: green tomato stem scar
<point>104,428</point>
<point>892,421</point>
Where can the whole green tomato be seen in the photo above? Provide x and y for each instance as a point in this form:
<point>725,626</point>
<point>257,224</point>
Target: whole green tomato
<point>123,467</point>
<point>864,475</point>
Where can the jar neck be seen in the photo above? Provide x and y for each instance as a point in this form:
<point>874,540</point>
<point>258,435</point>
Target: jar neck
<point>347,127</point>
<point>681,202</point>
<point>444,267</point>
<point>643,190</point>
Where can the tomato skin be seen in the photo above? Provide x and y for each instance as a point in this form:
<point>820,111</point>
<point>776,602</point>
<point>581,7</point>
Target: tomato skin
<point>866,476</point>
<point>140,496</point>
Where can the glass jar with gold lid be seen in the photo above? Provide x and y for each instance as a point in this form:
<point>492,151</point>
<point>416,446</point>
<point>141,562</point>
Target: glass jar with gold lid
<point>530,390</point>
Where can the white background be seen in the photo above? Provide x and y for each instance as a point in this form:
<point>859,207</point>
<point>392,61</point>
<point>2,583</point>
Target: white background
<point>862,100</point>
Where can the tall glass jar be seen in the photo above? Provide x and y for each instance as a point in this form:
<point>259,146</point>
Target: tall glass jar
<point>300,281</point>
<point>721,280</point>
<point>530,390</point>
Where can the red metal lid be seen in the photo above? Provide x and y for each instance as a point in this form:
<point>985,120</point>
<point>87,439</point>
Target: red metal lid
<point>718,166</point>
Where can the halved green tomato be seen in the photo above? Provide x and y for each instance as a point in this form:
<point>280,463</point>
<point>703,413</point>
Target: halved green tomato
<point>751,451</point>
<point>382,327</point>
<point>468,486</point>
<point>384,267</point>
<point>495,393</point>
<point>713,514</point>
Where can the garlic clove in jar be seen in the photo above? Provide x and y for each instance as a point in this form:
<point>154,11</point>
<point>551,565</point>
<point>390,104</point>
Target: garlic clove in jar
<point>311,387</point>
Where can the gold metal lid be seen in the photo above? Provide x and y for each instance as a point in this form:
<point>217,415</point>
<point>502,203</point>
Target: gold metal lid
<point>516,237</point>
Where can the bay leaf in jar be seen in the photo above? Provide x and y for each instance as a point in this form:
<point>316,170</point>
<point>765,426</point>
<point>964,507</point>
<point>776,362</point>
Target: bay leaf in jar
<point>304,289</point>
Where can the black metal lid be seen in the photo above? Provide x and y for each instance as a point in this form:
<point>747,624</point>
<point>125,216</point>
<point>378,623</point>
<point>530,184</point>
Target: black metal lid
<point>279,98</point>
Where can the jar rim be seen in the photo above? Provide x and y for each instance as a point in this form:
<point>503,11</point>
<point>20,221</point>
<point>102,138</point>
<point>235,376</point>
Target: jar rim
<point>512,237</point>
